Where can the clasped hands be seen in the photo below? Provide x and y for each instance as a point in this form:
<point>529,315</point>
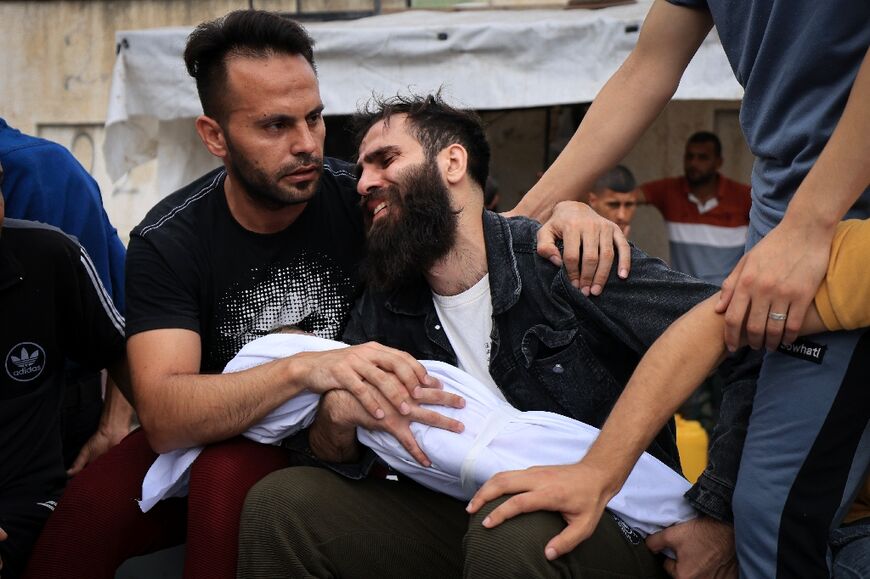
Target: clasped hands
<point>375,387</point>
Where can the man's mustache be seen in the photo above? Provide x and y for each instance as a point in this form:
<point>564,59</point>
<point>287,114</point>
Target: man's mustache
<point>379,194</point>
<point>303,160</point>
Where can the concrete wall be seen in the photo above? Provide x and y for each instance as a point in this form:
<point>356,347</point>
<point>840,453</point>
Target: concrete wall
<point>58,55</point>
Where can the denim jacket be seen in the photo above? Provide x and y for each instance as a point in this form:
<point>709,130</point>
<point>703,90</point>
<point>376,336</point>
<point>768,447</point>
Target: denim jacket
<point>557,350</point>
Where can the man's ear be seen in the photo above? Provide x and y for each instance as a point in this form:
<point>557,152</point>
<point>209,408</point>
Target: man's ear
<point>212,136</point>
<point>593,200</point>
<point>455,163</point>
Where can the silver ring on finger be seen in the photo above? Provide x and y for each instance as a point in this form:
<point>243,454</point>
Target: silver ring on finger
<point>777,317</point>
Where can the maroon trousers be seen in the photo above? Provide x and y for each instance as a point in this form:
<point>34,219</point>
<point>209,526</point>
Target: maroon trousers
<point>98,525</point>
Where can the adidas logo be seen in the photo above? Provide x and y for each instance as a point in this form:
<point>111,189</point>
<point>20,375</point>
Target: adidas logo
<point>24,360</point>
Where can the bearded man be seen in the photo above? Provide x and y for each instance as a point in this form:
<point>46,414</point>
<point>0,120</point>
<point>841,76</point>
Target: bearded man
<point>449,281</point>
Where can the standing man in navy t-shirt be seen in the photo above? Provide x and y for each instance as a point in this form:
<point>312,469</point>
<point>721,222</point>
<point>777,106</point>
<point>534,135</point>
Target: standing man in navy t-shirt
<point>806,117</point>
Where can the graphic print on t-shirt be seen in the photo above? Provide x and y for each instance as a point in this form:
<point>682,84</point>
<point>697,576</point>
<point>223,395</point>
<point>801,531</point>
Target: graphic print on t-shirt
<point>310,292</point>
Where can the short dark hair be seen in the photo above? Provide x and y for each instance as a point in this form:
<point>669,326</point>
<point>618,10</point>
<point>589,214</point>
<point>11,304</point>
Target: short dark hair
<point>248,33</point>
<point>619,179</point>
<point>435,124</point>
<point>707,137</point>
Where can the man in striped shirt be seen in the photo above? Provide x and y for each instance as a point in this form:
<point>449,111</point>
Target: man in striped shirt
<point>707,214</point>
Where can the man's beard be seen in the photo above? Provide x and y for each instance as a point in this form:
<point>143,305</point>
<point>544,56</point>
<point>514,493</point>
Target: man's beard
<point>267,191</point>
<point>419,229</point>
<point>697,179</point>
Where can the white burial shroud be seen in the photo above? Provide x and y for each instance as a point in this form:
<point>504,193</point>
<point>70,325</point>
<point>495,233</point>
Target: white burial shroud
<point>497,437</point>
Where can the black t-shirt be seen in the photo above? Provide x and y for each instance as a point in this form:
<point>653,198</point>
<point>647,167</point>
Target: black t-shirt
<point>52,307</point>
<point>191,265</point>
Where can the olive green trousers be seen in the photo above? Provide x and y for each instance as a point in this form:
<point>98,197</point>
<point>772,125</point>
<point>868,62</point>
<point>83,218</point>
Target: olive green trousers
<point>304,522</point>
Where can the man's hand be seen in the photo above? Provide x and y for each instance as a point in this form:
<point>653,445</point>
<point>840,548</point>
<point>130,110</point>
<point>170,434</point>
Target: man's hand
<point>365,370</point>
<point>548,488</point>
<point>115,422</point>
<point>768,293</point>
<point>704,548</point>
<point>97,445</point>
<point>333,433</point>
<point>579,226</point>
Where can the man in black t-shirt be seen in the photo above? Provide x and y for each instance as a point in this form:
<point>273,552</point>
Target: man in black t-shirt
<point>52,307</point>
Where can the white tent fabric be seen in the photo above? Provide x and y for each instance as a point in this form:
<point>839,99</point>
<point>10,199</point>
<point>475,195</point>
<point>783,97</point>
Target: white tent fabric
<point>495,59</point>
<point>497,437</point>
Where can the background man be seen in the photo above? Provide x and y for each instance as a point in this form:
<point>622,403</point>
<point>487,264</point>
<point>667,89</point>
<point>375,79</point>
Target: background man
<point>615,197</point>
<point>450,282</point>
<point>53,307</point>
<point>707,214</point>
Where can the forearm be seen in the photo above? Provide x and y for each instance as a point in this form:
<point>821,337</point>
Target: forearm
<point>842,171</point>
<point>626,106</point>
<point>669,372</point>
<point>183,410</point>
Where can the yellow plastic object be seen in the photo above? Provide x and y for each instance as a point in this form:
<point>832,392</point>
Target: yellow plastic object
<point>692,444</point>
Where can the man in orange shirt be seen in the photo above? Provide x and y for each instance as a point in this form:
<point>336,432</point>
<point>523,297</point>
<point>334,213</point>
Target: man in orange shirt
<point>707,214</point>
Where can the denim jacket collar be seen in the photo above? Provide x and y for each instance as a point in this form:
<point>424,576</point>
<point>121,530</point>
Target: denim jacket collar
<point>504,276</point>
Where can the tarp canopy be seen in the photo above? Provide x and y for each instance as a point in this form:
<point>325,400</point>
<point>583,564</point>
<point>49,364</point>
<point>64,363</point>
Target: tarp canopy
<point>493,59</point>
